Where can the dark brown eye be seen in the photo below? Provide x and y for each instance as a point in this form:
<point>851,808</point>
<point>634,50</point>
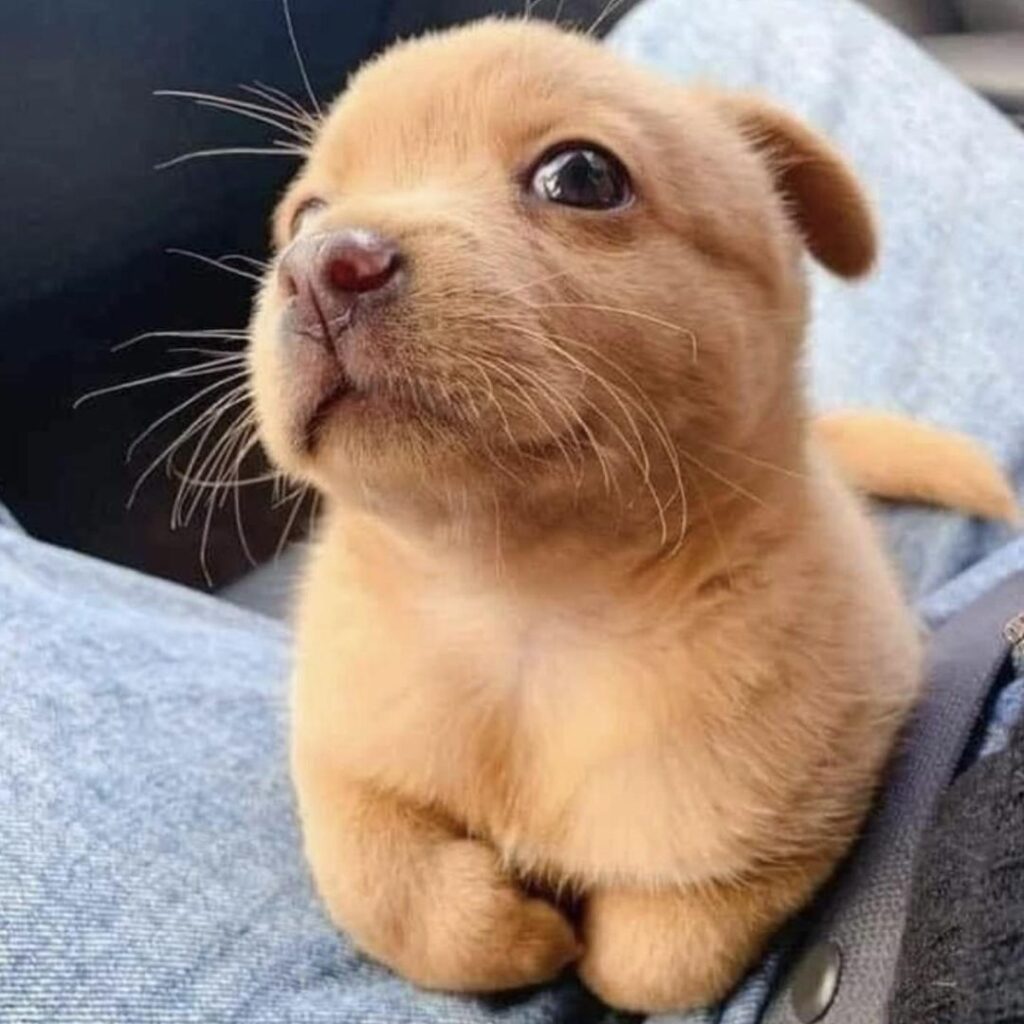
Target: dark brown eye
<point>303,211</point>
<point>582,176</point>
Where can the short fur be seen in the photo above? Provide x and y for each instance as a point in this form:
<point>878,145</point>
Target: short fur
<point>590,613</point>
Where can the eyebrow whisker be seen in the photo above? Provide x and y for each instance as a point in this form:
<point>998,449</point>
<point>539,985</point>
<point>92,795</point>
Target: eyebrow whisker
<point>298,57</point>
<point>286,150</point>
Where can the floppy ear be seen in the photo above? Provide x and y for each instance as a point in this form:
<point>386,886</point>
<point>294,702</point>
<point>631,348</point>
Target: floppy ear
<point>824,198</point>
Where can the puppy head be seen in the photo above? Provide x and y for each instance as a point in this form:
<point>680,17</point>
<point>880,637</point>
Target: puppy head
<point>516,266</point>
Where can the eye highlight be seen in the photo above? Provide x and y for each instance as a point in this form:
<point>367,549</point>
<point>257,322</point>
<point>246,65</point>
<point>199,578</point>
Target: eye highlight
<point>581,175</point>
<point>303,211</point>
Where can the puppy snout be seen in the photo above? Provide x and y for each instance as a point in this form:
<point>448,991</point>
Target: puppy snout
<point>328,275</point>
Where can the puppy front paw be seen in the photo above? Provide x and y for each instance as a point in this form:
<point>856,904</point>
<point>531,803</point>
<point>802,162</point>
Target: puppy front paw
<point>656,952</point>
<point>478,931</point>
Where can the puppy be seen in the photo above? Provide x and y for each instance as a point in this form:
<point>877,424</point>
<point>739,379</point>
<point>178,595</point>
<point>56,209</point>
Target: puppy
<point>591,610</point>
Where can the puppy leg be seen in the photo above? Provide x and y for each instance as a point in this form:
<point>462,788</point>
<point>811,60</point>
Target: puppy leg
<point>409,891</point>
<point>651,951</point>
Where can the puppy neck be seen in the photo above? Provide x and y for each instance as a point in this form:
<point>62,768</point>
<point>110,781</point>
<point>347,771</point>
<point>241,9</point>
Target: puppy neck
<point>532,539</point>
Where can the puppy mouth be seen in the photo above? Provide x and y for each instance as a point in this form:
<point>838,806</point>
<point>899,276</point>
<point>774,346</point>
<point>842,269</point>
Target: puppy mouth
<point>333,397</point>
<point>321,341</point>
<point>343,399</point>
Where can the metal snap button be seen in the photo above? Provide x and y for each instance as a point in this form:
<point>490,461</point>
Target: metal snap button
<point>815,981</point>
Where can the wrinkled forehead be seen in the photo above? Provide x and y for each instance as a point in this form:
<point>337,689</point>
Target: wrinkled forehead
<point>473,99</point>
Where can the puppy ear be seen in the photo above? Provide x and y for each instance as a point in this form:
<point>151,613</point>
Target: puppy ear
<point>822,194</point>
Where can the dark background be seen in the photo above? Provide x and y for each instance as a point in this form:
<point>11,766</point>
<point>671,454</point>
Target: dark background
<point>86,222</point>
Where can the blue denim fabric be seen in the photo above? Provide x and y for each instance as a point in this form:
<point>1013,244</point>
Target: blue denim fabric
<point>150,865</point>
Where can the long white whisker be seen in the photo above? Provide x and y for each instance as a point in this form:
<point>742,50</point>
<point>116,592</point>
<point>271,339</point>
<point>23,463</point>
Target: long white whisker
<point>294,131</point>
<point>198,154</point>
<point>205,461</point>
<point>213,353</point>
<point>610,8</point>
<point>738,488</point>
<point>260,265</point>
<point>279,119</point>
<point>221,334</point>
<point>238,394</point>
<point>532,284</point>
<point>638,314</point>
<point>298,57</point>
<point>302,492</point>
<point>170,414</point>
<point>222,485</point>
<point>210,261</point>
<point>753,460</point>
<point>197,370</point>
<point>233,101</point>
<point>243,538</point>
<point>274,95</point>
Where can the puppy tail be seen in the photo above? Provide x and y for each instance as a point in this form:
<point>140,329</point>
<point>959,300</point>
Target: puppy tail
<point>895,457</point>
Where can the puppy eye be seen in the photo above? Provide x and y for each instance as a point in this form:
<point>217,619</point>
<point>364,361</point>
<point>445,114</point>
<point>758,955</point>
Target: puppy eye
<point>303,211</point>
<point>582,176</point>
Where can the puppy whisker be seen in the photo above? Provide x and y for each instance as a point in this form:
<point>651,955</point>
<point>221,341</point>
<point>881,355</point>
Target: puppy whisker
<point>283,100</point>
<point>640,455</point>
<point>260,265</point>
<point>755,461</point>
<point>218,484</point>
<point>649,411</point>
<point>170,414</point>
<point>285,149</point>
<point>240,437</point>
<point>215,463</point>
<point>239,393</point>
<point>508,371</point>
<point>291,124</point>
<point>290,522</point>
<point>623,311</point>
<point>609,9</point>
<point>304,74</point>
<point>293,114</point>
<point>492,397</point>
<point>203,369</point>
<point>199,462</point>
<point>640,402</point>
<point>611,482</point>
<point>722,478</point>
<point>217,264</point>
<point>213,353</point>
<point>219,334</point>
<point>545,279</point>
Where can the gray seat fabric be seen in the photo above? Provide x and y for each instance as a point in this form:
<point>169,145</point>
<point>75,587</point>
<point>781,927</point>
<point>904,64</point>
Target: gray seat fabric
<point>269,589</point>
<point>991,62</point>
<point>920,17</point>
<point>992,15</point>
<point>980,41</point>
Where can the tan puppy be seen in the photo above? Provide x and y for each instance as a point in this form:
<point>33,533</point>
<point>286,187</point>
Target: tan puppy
<point>590,610</point>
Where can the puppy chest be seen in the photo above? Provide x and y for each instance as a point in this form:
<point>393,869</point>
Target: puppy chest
<point>499,713</point>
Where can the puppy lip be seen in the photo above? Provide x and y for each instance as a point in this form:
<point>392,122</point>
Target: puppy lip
<point>322,410</point>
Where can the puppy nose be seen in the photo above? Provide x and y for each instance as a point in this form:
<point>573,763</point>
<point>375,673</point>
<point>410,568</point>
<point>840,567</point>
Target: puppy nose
<point>327,274</point>
<point>360,261</point>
